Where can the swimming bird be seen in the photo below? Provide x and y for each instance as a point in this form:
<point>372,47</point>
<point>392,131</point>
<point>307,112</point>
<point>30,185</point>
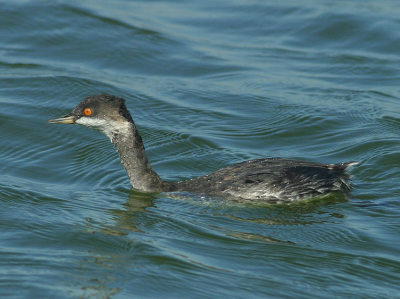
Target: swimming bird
<point>273,180</point>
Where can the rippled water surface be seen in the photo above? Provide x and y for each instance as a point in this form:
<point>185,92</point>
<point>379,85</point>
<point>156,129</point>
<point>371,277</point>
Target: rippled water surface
<point>209,83</point>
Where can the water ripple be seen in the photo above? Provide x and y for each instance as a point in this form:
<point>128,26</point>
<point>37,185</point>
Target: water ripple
<point>208,84</point>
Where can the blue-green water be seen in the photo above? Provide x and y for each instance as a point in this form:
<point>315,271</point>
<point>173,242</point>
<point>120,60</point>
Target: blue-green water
<point>209,83</point>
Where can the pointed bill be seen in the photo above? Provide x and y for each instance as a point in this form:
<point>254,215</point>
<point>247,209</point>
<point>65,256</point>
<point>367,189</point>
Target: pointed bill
<point>66,119</point>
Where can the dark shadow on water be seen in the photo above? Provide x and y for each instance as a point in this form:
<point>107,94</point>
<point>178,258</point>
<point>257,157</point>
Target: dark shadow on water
<point>302,212</point>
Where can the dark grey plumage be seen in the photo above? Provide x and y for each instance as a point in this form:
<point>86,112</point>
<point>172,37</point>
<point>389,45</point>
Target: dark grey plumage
<point>270,179</point>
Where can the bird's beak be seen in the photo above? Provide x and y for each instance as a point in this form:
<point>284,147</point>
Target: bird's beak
<point>66,119</point>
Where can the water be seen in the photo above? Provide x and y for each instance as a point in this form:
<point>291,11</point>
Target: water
<point>209,83</point>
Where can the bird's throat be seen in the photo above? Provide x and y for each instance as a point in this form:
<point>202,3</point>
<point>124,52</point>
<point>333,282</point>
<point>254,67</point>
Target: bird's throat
<point>130,147</point>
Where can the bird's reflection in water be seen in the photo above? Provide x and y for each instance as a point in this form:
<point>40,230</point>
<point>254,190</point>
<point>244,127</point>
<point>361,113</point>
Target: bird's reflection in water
<point>129,217</point>
<point>131,230</point>
<point>126,217</point>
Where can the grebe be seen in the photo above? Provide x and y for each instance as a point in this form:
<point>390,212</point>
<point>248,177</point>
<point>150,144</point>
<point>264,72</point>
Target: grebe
<point>274,180</point>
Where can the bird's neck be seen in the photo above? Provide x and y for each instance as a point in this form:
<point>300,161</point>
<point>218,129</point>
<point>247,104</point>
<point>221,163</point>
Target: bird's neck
<point>128,142</point>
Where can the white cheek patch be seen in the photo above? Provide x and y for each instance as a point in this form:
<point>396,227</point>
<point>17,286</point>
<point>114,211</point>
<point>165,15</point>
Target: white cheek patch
<point>110,128</point>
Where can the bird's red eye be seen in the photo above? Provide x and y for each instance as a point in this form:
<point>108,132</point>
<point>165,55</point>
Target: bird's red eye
<point>87,111</point>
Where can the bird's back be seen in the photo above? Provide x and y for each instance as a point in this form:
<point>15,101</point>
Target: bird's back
<point>271,180</point>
